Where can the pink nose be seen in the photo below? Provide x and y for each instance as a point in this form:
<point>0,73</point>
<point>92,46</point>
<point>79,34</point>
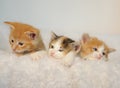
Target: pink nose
<point>52,53</point>
<point>14,49</point>
<point>99,56</point>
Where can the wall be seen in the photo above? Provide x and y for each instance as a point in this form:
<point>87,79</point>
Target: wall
<point>92,16</point>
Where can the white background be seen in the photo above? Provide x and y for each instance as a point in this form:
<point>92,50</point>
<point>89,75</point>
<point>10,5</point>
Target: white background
<point>65,16</point>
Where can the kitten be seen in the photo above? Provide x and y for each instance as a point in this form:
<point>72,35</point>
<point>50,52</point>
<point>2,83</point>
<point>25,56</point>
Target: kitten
<point>93,48</point>
<point>61,47</point>
<point>24,38</point>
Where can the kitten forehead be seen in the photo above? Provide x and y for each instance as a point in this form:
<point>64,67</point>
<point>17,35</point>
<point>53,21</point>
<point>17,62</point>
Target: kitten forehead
<point>101,48</point>
<point>57,42</point>
<point>57,45</point>
<point>60,40</point>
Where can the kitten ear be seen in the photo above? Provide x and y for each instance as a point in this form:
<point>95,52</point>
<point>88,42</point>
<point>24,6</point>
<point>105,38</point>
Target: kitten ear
<point>31,35</point>
<point>53,36</point>
<point>85,38</point>
<point>76,47</point>
<point>10,24</point>
<point>111,50</point>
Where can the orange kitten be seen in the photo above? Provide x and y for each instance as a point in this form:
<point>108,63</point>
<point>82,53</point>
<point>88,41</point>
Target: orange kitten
<point>24,38</point>
<point>61,47</point>
<point>93,48</point>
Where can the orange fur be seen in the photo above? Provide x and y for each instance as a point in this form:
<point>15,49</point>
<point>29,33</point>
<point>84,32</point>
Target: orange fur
<point>88,43</point>
<point>23,33</point>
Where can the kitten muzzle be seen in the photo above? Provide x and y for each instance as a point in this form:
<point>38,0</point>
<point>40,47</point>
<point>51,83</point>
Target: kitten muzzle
<point>99,56</point>
<point>52,54</point>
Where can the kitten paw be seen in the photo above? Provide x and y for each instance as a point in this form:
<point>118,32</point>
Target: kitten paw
<point>37,55</point>
<point>69,59</point>
<point>67,63</point>
<point>106,59</point>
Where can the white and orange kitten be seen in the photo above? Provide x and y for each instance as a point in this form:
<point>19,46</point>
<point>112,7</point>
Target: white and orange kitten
<point>24,38</point>
<point>93,48</point>
<point>64,48</point>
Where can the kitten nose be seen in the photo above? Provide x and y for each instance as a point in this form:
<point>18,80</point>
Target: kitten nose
<point>52,53</point>
<point>14,48</point>
<point>99,56</point>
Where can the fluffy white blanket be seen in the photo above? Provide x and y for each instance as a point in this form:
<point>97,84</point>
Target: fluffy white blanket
<point>23,72</point>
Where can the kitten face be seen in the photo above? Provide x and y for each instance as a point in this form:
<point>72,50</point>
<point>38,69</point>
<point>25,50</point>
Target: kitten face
<point>96,52</point>
<point>59,46</point>
<point>99,52</point>
<point>24,38</point>
<point>20,44</point>
<point>92,48</point>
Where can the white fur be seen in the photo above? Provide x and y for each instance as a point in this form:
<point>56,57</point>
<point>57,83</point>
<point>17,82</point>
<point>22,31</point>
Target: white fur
<point>69,58</point>
<point>58,54</point>
<point>23,72</point>
<point>39,54</point>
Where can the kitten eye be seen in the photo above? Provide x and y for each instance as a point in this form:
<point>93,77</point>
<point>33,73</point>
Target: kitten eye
<point>95,49</point>
<point>12,41</point>
<point>52,46</point>
<point>20,43</point>
<point>60,50</point>
<point>103,53</point>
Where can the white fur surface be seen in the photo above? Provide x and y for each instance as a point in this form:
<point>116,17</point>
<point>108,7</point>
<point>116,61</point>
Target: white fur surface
<point>24,72</point>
